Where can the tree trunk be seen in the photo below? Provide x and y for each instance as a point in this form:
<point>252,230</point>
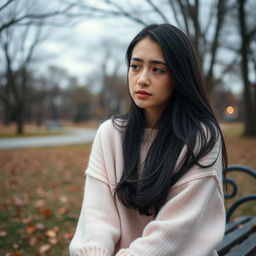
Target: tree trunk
<point>7,113</point>
<point>20,118</point>
<point>250,126</point>
<point>39,114</point>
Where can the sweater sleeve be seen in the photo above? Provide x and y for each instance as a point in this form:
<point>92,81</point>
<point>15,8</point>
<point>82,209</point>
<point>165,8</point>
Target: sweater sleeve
<point>192,222</point>
<point>98,228</point>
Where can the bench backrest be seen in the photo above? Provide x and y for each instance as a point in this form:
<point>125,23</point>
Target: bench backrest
<point>233,188</point>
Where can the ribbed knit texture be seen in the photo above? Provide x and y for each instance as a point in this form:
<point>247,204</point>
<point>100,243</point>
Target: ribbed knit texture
<point>192,221</point>
<point>93,251</point>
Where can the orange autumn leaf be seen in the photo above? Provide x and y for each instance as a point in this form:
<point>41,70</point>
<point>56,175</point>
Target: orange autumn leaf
<point>46,212</point>
<point>62,210</point>
<point>68,236</point>
<point>16,253</point>
<point>30,229</point>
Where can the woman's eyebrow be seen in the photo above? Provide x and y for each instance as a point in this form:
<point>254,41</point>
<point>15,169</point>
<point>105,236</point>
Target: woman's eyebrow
<point>151,61</point>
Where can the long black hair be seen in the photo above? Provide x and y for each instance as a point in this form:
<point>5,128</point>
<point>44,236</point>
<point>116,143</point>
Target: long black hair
<point>187,119</point>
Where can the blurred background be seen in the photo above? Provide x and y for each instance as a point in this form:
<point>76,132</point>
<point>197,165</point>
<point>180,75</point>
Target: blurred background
<point>63,71</point>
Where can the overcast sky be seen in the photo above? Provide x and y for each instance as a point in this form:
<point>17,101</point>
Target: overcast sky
<point>72,47</point>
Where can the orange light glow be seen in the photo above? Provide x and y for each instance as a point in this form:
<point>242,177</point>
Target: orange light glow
<point>230,110</point>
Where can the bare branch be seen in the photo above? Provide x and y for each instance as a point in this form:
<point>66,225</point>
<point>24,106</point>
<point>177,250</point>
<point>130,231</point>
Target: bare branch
<point>175,13</point>
<point>229,67</point>
<point>95,11</point>
<point>6,4</point>
<point>210,18</point>
<point>251,33</point>
<point>31,17</point>
<point>9,71</point>
<point>215,43</point>
<point>185,16</point>
<point>157,10</point>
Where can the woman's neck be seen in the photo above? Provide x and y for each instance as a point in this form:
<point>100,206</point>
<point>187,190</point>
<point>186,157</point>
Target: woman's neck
<point>151,118</point>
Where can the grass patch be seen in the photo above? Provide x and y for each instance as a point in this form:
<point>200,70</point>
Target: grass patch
<point>30,130</point>
<point>28,134</point>
<point>34,130</point>
<point>42,188</point>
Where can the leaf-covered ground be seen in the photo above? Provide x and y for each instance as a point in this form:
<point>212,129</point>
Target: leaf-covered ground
<point>41,192</point>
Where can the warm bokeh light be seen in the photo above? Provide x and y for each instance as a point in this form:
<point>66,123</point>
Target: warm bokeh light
<point>230,110</point>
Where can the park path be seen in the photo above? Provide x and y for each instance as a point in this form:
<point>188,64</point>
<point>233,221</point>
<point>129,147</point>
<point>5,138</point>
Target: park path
<point>73,136</point>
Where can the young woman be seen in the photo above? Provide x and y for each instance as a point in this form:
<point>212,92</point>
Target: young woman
<point>154,178</point>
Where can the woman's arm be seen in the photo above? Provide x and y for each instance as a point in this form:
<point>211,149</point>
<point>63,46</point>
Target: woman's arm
<point>192,222</point>
<point>98,227</point>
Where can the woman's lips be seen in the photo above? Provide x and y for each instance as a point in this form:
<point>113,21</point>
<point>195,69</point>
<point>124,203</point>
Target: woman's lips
<point>142,94</point>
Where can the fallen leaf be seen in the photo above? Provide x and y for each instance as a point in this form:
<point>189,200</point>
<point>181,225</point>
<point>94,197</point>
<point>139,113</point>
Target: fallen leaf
<point>46,212</point>
<point>17,253</point>
<point>32,240</point>
<point>3,233</point>
<point>53,240</point>
<point>39,203</point>
<point>27,220</point>
<point>18,202</point>
<point>68,236</point>
<point>40,191</point>
<point>40,226</point>
<point>30,229</point>
<point>44,248</point>
<point>56,228</point>
<point>63,199</point>
<point>50,233</point>
<point>8,254</point>
<point>62,210</point>
<point>15,246</point>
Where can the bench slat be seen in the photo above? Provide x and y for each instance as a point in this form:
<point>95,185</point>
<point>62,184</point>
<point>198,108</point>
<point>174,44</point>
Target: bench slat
<point>246,248</point>
<point>230,226</point>
<point>235,237</point>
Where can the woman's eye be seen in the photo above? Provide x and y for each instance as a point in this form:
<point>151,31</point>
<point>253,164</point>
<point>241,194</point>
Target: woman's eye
<point>134,67</point>
<point>158,70</point>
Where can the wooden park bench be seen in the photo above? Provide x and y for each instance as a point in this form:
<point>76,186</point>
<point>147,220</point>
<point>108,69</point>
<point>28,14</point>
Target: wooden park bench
<point>240,234</point>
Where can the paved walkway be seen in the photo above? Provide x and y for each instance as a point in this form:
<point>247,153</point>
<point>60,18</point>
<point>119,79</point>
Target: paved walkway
<point>73,136</point>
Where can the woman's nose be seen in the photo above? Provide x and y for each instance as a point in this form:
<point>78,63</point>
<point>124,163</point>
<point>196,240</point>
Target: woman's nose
<point>144,79</point>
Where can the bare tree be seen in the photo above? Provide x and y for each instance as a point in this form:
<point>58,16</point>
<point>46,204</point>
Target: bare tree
<point>246,35</point>
<point>110,77</point>
<point>24,12</point>
<point>18,46</point>
<point>21,25</point>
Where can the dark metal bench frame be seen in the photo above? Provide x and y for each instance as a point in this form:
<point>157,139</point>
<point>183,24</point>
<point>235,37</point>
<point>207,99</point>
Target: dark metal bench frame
<point>240,234</point>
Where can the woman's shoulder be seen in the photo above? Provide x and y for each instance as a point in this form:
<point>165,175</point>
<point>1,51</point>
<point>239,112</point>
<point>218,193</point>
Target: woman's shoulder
<point>105,125</point>
<point>111,127</point>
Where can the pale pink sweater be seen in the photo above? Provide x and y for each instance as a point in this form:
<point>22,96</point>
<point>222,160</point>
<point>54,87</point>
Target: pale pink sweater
<point>191,223</point>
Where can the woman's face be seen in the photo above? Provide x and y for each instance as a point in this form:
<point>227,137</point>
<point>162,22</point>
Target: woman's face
<point>149,80</point>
